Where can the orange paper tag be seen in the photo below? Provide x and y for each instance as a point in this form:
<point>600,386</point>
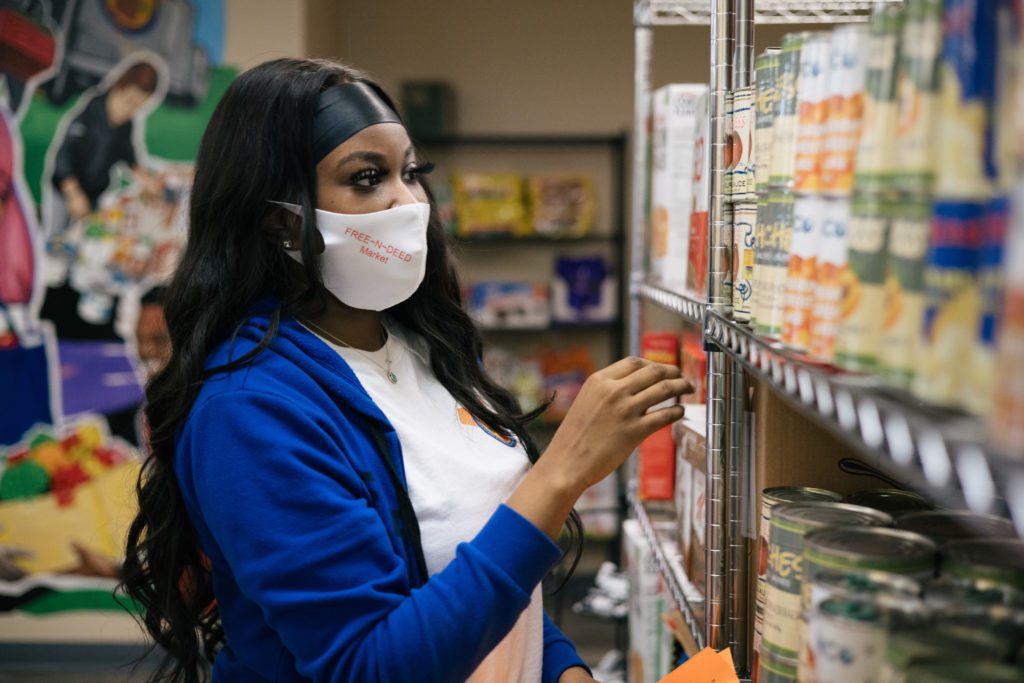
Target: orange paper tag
<point>707,666</point>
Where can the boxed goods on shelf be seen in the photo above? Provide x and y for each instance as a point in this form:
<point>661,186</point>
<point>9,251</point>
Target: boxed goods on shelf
<point>694,362</point>
<point>675,112</point>
<point>651,641</point>
<point>565,371</point>
<point>510,305</point>
<point>657,452</point>
<point>489,204</point>
<point>560,205</point>
<point>691,484</point>
<point>696,270</point>
<point>583,290</point>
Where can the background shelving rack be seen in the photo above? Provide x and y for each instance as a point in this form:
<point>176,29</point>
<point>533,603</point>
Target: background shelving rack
<point>939,453</point>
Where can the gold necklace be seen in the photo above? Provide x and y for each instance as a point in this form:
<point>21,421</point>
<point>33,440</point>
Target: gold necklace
<point>388,372</point>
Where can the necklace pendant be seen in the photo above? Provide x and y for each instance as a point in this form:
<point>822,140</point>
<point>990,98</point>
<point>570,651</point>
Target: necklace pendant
<point>392,377</point>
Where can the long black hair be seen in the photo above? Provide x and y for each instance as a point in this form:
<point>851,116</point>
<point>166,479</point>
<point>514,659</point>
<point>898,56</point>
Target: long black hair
<point>258,146</point>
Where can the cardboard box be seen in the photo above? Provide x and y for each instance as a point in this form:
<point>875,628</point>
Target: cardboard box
<point>651,642</point>
<point>658,451</point>
<point>697,246</point>
<point>692,456</point>
<point>675,116</point>
<point>694,361</point>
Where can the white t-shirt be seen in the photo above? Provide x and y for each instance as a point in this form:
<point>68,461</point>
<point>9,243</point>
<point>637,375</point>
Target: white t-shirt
<point>458,474</point>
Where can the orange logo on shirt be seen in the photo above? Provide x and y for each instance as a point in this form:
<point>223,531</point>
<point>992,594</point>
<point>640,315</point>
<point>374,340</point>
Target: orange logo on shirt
<point>469,420</point>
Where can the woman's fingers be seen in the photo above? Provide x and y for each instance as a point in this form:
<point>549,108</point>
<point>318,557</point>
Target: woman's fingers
<point>663,417</point>
<point>649,375</point>
<point>664,390</point>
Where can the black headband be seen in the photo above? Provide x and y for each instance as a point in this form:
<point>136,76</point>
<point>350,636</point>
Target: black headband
<point>344,110</point>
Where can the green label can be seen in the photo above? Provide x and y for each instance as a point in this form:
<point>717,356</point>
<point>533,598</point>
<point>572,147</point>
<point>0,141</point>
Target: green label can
<point>784,130</point>
<point>766,73</point>
<point>783,593</point>
<point>903,313</point>
<point>772,262</point>
<point>943,526</point>
<point>998,561</point>
<point>776,668</point>
<point>875,149</point>
<point>860,326</point>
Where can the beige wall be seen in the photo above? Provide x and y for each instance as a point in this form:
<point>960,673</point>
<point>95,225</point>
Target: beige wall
<point>258,30</point>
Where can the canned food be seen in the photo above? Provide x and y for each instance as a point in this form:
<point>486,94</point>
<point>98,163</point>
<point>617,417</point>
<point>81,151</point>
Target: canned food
<point>903,314</point>
<point>776,668</point>
<point>859,333</point>
<point>930,643</point>
<point>952,301</point>
<point>867,585</point>
<point>770,497</point>
<point>783,593</point>
<point>808,223</point>
<point>766,73</point>
<point>981,379</point>
<point>812,112</point>
<point>722,263</point>
<point>966,167</point>
<point>917,83</point>
<point>996,561</point>
<point>847,69</point>
<point>1003,623</point>
<point>896,502</point>
<point>744,232</point>
<point>729,159</point>
<point>771,259</point>
<point>787,114</point>
<point>832,276</point>
<point>856,550</point>
<point>1006,424</point>
<point>743,158</point>
<point>846,638</point>
<point>951,596</point>
<point>875,148</point>
<point>943,526</point>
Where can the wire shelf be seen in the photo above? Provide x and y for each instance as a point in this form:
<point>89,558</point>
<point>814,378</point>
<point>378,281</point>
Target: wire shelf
<point>680,12</point>
<point>676,302</point>
<point>939,450</point>
<point>675,587</point>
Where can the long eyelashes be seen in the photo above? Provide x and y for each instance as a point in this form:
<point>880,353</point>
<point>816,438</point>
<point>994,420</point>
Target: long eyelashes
<point>368,178</point>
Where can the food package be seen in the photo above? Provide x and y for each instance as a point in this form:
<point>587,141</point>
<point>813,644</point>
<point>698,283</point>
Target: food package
<point>650,640</point>
<point>583,290</point>
<point>697,250</point>
<point>517,305</point>
<point>565,371</point>
<point>489,204</point>
<point>833,274</point>
<point>657,452</point>
<point>801,274</point>
<point>561,205</point>
<point>676,111</point>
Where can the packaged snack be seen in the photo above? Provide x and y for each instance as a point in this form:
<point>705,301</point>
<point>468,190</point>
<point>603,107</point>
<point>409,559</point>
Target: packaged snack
<point>812,112</point>
<point>583,290</point>
<point>677,112</point>
<point>489,204</point>
<point>847,70</point>
<point>499,305</point>
<point>657,452</point>
<point>565,371</point>
<point>697,251</point>
<point>561,205</point>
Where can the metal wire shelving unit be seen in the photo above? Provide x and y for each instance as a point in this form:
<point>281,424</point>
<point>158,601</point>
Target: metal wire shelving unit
<point>939,452</point>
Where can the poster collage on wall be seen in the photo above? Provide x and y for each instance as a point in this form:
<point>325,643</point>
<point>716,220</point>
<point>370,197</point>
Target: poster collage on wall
<point>102,107</point>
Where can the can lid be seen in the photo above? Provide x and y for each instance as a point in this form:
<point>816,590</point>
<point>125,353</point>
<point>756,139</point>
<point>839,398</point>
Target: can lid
<point>999,560</point>
<point>943,526</point>
<point>798,494</point>
<point>803,517</point>
<point>893,501</point>
<point>871,548</point>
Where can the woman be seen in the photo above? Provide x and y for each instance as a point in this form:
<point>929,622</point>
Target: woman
<point>329,460</point>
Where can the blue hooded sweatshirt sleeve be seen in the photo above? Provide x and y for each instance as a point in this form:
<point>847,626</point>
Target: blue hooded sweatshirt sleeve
<point>312,584</point>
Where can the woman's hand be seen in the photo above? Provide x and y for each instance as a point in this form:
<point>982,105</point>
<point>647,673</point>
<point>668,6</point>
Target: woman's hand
<point>609,418</point>
<point>576,674</point>
<point>74,196</point>
<point>606,422</point>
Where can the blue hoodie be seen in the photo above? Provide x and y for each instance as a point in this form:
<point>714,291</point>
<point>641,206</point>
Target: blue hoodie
<point>294,482</point>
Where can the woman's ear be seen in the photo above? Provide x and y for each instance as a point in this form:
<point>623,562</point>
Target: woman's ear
<point>283,228</point>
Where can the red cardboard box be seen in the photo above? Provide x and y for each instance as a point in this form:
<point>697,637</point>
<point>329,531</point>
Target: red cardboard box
<point>658,451</point>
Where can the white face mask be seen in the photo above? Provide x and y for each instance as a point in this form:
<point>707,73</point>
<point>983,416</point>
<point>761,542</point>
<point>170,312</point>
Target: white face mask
<point>372,261</point>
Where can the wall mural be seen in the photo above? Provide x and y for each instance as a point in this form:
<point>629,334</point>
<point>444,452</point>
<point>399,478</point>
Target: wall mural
<point>102,107</point>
